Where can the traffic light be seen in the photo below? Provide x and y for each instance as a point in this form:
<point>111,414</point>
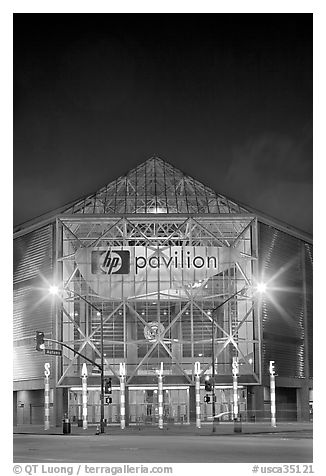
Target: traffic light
<point>40,341</point>
<point>208,386</point>
<point>108,387</point>
<point>207,398</point>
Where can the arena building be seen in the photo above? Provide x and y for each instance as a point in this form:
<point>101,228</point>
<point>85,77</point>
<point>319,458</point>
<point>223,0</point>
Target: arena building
<point>158,272</point>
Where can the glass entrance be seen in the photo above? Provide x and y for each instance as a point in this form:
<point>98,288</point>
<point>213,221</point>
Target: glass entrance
<point>111,411</point>
<point>143,405</point>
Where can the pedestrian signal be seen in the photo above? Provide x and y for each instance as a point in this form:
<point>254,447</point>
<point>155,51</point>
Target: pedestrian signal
<point>208,386</point>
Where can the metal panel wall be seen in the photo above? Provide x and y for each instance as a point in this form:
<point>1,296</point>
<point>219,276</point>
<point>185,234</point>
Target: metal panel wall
<point>33,268</point>
<point>33,254</point>
<point>309,300</point>
<point>283,307</point>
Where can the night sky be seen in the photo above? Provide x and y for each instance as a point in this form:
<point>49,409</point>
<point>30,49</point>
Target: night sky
<point>226,98</point>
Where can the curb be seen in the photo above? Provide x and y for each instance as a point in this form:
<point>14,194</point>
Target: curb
<point>167,432</point>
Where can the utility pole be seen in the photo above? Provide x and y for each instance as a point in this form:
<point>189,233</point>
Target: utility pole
<point>213,373</point>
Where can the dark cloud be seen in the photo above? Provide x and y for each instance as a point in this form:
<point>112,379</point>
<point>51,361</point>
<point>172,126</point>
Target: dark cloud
<point>273,174</point>
<point>274,156</point>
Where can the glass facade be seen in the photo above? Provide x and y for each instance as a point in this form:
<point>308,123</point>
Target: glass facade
<point>159,284</point>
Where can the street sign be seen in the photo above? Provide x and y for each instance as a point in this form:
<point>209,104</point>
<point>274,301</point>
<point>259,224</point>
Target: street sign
<point>53,351</point>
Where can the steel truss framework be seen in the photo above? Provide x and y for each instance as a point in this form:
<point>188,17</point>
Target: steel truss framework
<point>155,186</point>
<point>187,320</point>
<point>157,206</point>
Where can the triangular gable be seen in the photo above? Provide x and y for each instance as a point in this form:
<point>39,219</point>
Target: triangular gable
<point>155,186</point>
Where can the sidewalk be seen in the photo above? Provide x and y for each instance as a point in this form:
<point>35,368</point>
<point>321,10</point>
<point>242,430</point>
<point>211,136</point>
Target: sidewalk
<point>185,429</point>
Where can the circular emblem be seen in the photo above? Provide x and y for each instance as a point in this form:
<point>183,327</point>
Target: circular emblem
<point>153,330</point>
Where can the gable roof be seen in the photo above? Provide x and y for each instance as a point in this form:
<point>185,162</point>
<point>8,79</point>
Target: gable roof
<point>156,186</point>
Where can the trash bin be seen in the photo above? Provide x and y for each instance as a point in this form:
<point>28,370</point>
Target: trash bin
<point>66,426</point>
<point>80,423</point>
<point>237,425</point>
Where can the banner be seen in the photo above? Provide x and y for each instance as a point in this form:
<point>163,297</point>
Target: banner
<point>139,271</point>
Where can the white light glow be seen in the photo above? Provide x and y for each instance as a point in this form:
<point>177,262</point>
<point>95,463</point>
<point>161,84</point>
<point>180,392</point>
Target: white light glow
<point>261,287</point>
<point>54,290</point>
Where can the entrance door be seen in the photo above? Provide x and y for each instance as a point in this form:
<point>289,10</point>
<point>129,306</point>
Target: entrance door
<point>111,411</point>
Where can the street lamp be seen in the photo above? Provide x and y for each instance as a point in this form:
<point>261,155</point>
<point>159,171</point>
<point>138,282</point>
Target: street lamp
<point>261,288</point>
<point>55,291</point>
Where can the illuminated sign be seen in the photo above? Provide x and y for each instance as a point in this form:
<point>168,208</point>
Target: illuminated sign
<point>272,367</point>
<point>235,367</point>
<point>47,369</point>
<point>116,261</point>
<point>111,261</point>
<point>197,368</point>
<point>132,271</point>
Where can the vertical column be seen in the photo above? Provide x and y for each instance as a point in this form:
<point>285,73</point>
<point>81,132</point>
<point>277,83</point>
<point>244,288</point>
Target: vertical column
<point>15,409</point>
<point>303,403</point>
<point>46,396</point>
<point>62,395</point>
<point>197,386</point>
<point>84,395</point>
<point>160,397</point>
<point>192,403</point>
<point>235,371</point>
<point>122,395</point>
<point>272,391</point>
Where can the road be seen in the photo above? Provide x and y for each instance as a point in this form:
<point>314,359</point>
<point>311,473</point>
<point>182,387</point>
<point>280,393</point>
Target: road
<point>278,448</point>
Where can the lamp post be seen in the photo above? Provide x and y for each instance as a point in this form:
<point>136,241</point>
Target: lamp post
<point>260,288</point>
<point>84,395</point>
<point>55,290</point>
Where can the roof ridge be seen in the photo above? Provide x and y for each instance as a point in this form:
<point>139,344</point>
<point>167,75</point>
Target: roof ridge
<point>154,186</point>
